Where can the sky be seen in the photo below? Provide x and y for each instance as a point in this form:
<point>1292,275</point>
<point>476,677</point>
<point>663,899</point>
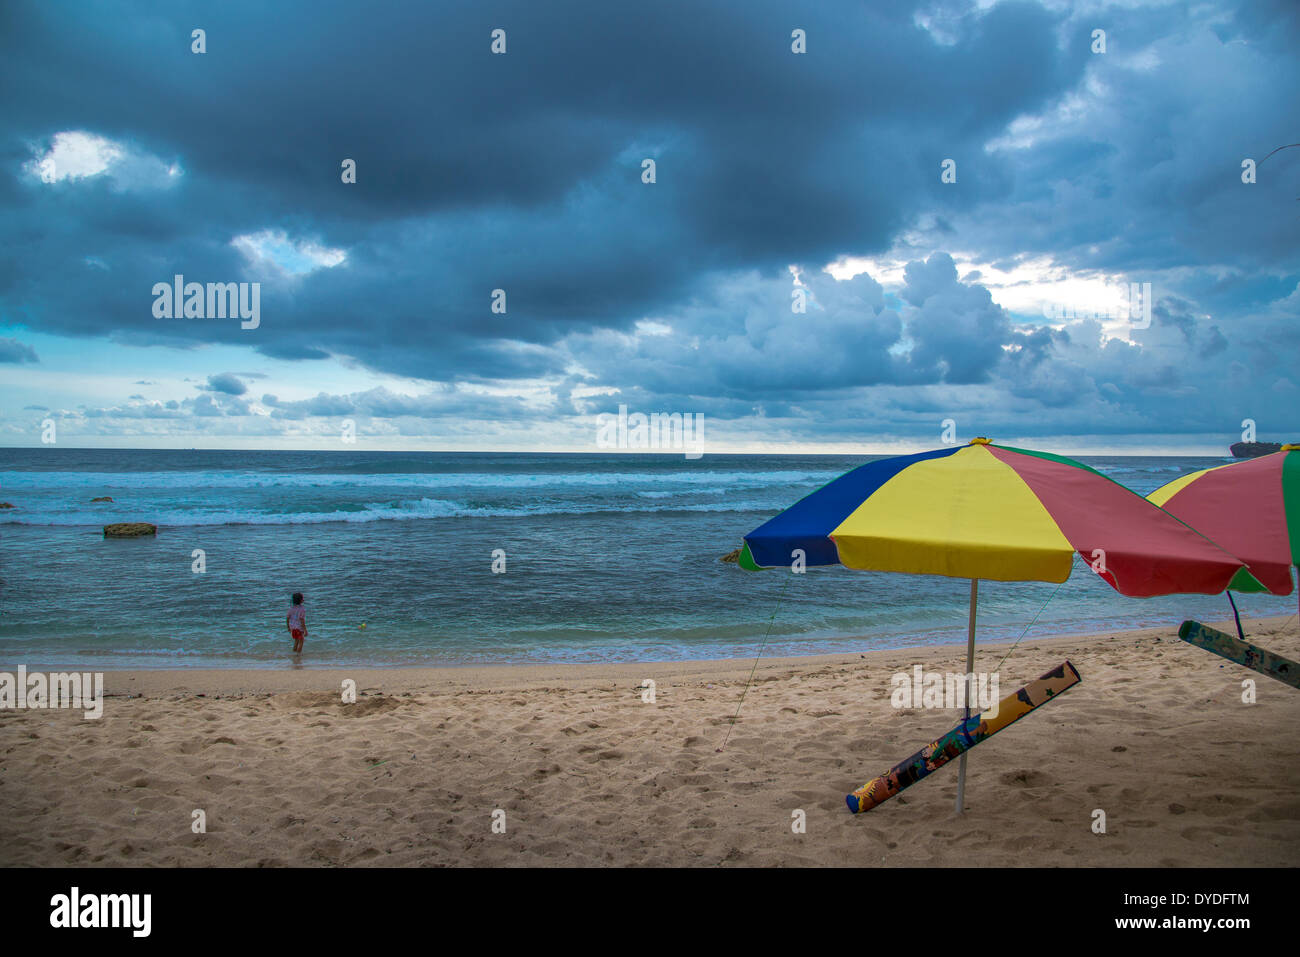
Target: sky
<point>839,227</point>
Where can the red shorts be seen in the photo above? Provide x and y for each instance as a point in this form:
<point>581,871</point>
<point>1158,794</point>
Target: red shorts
<point>297,634</point>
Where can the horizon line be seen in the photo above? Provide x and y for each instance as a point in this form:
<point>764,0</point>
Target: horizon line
<point>666,453</point>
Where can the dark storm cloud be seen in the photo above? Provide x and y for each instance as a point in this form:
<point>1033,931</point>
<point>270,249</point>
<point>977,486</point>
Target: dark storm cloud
<point>1150,178</point>
<point>226,383</point>
<point>957,330</point>
<point>747,344</point>
<point>478,172</point>
<point>11,350</point>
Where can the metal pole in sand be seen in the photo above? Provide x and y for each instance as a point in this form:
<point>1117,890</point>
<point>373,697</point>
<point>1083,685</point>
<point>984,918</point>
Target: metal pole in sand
<point>970,667</point>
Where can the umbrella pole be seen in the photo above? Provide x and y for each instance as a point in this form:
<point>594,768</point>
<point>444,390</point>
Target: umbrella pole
<point>970,668</point>
<point>1236,617</point>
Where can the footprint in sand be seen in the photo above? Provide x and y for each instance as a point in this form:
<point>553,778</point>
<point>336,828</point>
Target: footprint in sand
<point>1025,778</point>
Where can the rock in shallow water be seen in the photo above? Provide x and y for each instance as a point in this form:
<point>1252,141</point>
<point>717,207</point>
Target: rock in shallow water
<point>129,530</point>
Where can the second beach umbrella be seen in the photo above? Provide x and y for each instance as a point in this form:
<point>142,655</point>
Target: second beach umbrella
<point>1251,508</point>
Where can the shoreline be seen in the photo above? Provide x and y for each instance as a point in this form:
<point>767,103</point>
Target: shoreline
<point>509,676</point>
<point>297,676</point>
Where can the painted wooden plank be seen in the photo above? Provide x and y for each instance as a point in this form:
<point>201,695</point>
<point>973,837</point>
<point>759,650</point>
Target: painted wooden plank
<point>962,738</point>
<point>1241,652</point>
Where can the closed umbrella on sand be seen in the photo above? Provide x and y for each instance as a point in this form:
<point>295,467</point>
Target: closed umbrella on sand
<point>988,511</point>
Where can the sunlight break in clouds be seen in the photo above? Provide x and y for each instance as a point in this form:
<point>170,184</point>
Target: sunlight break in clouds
<point>76,155</point>
<point>296,257</point>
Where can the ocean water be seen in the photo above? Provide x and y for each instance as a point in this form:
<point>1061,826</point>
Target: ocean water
<point>609,557</point>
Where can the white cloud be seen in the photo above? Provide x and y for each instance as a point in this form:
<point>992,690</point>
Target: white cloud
<point>76,155</point>
<point>296,257</point>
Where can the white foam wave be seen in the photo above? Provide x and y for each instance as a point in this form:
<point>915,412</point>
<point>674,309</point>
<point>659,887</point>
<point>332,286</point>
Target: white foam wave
<point>36,480</point>
<point>424,508</point>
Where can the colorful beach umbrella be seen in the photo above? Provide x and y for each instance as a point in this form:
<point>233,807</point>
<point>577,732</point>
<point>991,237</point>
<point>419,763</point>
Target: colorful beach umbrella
<point>993,512</point>
<point>1251,508</point>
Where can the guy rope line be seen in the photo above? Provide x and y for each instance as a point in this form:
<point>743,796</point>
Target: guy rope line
<point>779,599</point>
<point>1031,623</point>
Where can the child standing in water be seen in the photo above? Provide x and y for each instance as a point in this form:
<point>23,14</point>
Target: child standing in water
<point>297,622</point>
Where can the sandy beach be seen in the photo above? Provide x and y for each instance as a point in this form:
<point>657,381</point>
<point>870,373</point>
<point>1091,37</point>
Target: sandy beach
<point>587,773</point>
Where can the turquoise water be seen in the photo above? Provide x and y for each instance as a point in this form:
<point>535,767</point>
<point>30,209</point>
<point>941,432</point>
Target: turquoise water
<point>608,557</point>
